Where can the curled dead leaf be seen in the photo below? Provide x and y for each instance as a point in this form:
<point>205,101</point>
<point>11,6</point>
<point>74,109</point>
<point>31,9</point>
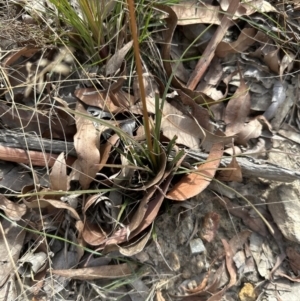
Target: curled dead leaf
<point>195,182</point>
<point>237,109</point>
<point>12,210</point>
<point>101,272</point>
<point>87,145</point>
<point>58,175</point>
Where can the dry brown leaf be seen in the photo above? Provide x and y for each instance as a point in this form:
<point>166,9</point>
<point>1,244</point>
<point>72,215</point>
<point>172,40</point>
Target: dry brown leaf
<point>198,112</point>
<point>202,285</point>
<point>153,208</point>
<point>286,63</point>
<point>136,247</point>
<point>209,52</point>
<point>27,119</point>
<point>80,242</point>
<point>142,209</point>
<point>249,130</point>
<point>186,127</point>
<point>237,109</point>
<point>176,123</point>
<point>150,207</point>
<point>272,60</point>
<point>171,21</point>
<point>254,223</point>
<point>106,149</point>
<point>231,248</point>
<point>211,81</point>
<point>12,210</point>
<point>58,176</point>
<point>245,39</point>
<point>44,203</point>
<point>102,272</point>
<point>30,119</point>
<point>234,172</point>
<point>294,259</point>
<point>93,234</point>
<point>113,102</point>
<point>195,182</point>
<point>297,279</point>
<point>87,145</point>
<point>188,12</point>
<point>115,62</point>
<point>210,226</point>
<point>27,52</point>
<point>229,263</point>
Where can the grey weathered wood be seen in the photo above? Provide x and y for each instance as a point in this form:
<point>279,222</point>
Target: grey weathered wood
<point>34,142</point>
<point>250,167</point>
<point>253,167</point>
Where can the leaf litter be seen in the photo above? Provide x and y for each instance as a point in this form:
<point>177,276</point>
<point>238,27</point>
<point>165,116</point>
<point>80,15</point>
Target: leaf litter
<point>116,193</point>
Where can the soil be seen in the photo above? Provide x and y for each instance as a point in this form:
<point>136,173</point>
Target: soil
<point>178,268</point>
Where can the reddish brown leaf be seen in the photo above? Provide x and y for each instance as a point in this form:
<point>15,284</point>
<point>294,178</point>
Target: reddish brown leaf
<point>44,203</point>
<point>193,183</point>
<point>87,144</point>
<point>218,296</point>
<point>58,175</point>
<point>114,102</point>
<point>237,109</point>
<point>286,63</point>
<point>229,263</point>
<point>171,21</point>
<point>102,272</point>
<point>209,52</point>
<point>272,60</point>
<point>202,285</point>
<point>245,39</point>
<point>234,172</point>
<point>93,234</point>
<point>294,259</point>
<point>30,157</point>
<point>297,279</point>
<point>137,246</point>
<point>26,52</point>
<point>153,207</point>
